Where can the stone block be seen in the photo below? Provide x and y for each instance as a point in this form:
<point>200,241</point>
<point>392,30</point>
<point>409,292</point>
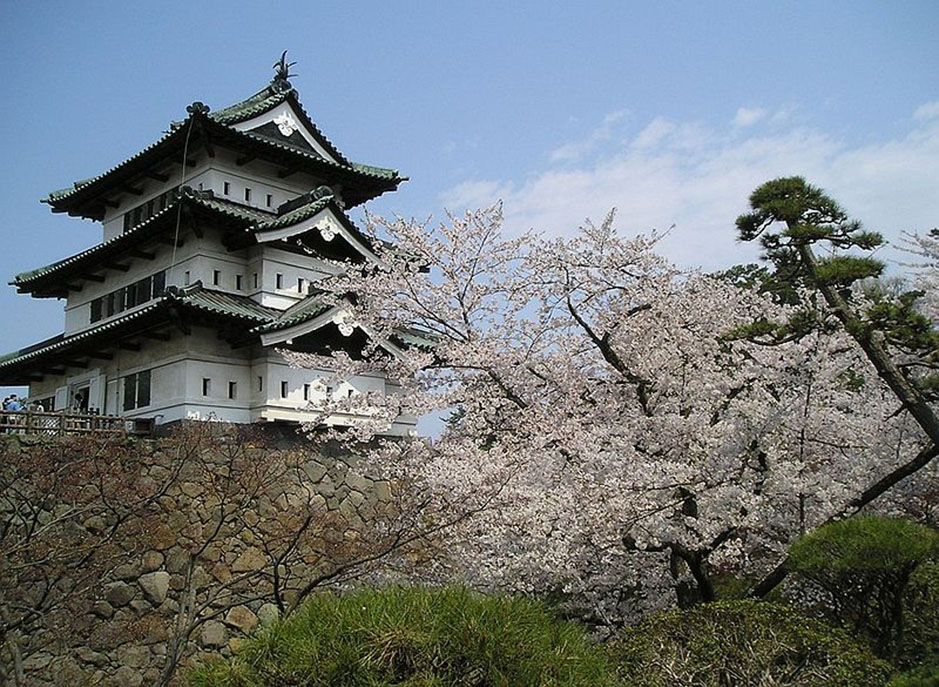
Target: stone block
<point>213,634</point>
<point>95,658</point>
<point>268,613</point>
<point>125,676</point>
<point>134,656</point>
<point>119,594</point>
<point>150,561</point>
<point>102,609</point>
<point>176,560</point>
<point>155,586</point>
<point>242,618</point>
<point>250,559</point>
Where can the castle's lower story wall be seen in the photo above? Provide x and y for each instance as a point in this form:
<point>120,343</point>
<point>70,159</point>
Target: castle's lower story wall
<point>201,377</point>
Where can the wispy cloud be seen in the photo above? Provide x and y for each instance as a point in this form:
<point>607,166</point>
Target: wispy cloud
<point>927,111</point>
<point>699,177</point>
<point>748,116</point>
<point>574,151</point>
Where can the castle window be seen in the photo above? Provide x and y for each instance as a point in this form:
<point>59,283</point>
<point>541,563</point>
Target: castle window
<point>255,280</point>
<point>306,392</point>
<point>247,194</point>
<point>301,282</point>
<point>260,383</point>
<point>279,281</point>
<point>269,201</point>
<point>96,309</point>
<point>186,278</point>
<point>239,282</point>
<point>206,386</point>
<point>226,188</point>
<point>283,389</point>
<point>232,389</point>
<point>216,277</point>
<point>159,283</point>
<point>137,390</point>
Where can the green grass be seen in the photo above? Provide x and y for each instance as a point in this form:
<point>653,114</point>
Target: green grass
<point>413,637</point>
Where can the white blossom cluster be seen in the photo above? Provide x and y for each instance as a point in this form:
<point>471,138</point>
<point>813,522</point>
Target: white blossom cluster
<point>605,431</point>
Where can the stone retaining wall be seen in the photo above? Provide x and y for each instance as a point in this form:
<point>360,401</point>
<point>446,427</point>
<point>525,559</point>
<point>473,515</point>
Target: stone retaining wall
<point>220,522</point>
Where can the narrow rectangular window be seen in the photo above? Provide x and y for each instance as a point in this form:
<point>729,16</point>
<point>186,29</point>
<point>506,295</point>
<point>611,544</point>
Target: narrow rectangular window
<point>255,280</point>
<point>130,391</point>
<point>143,388</point>
<point>283,389</point>
<point>301,282</point>
<point>232,389</point>
<point>144,289</point>
<point>130,296</point>
<point>239,282</point>
<point>226,188</point>
<point>96,309</point>
<point>269,201</point>
<point>216,277</point>
<point>111,298</point>
<point>279,281</point>
<point>206,386</point>
<point>159,283</point>
<point>119,300</point>
<point>260,383</point>
<point>247,194</point>
<point>306,392</point>
<point>186,278</point>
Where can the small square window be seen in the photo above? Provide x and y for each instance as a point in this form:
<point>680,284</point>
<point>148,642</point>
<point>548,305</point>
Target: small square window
<point>247,194</point>
<point>306,392</point>
<point>216,277</point>
<point>269,201</point>
<point>226,188</point>
<point>232,389</point>
<point>239,282</point>
<point>279,281</point>
<point>206,386</point>
<point>283,389</point>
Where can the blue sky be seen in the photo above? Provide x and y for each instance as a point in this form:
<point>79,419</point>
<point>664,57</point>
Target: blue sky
<point>672,112</point>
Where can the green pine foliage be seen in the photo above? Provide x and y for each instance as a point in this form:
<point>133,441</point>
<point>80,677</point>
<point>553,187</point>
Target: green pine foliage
<point>926,675</point>
<point>742,643</point>
<point>864,565</point>
<point>921,610</point>
<point>413,637</point>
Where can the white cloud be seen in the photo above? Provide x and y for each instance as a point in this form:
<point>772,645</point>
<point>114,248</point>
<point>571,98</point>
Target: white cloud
<point>927,111</point>
<point>748,116</point>
<point>699,179</point>
<point>574,151</point>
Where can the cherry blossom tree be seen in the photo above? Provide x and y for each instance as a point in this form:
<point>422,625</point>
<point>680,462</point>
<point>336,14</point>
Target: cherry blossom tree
<point>617,439</point>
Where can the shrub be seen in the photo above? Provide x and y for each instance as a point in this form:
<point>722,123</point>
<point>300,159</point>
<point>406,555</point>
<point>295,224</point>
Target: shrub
<point>864,566</point>
<point>413,637</point>
<point>921,610</point>
<point>925,676</point>
<point>741,643</point>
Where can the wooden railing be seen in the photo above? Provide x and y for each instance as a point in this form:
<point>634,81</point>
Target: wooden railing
<point>70,422</point>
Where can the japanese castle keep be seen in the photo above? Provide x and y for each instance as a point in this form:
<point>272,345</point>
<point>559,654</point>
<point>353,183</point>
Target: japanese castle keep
<point>214,239</point>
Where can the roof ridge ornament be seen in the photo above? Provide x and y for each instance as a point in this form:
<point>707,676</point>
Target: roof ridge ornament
<point>282,74</point>
<point>197,108</point>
